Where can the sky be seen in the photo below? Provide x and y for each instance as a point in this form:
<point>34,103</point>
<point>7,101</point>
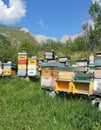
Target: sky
<point>52,18</point>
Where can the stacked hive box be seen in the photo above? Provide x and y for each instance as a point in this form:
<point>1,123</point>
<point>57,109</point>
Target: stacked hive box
<point>68,81</point>
<point>32,66</point>
<point>97,80</point>
<point>0,68</point>
<point>49,75</point>
<point>64,82</point>
<point>82,65</point>
<point>65,60</point>
<point>7,69</point>
<point>83,83</point>
<point>91,67</point>
<point>22,64</point>
<point>50,55</point>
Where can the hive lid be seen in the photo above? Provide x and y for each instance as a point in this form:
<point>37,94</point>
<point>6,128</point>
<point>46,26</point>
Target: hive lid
<point>52,64</point>
<point>97,61</point>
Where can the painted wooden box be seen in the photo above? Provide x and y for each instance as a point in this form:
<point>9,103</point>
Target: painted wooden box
<point>83,87</point>
<point>50,55</point>
<point>22,61</point>
<point>97,87</point>
<point>22,67</point>
<point>6,72</point>
<point>63,85</point>
<point>21,72</point>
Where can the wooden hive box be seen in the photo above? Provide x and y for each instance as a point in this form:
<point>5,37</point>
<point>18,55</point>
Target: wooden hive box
<point>82,62</point>
<point>50,55</point>
<point>22,55</point>
<point>66,73</point>
<point>22,61</point>
<point>33,61</point>
<point>97,72</point>
<point>22,67</point>
<point>21,73</point>
<point>83,87</point>
<point>63,85</point>
<point>97,87</point>
<point>0,65</point>
<point>6,72</point>
<point>49,74</point>
<point>98,54</point>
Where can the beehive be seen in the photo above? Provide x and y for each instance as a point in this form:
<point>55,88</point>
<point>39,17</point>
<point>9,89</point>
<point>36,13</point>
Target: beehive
<point>82,65</point>
<point>22,63</point>
<point>32,67</point>
<point>65,60</point>
<point>83,87</point>
<point>97,72</point>
<point>66,73</point>
<point>97,64</point>
<point>49,74</point>
<point>50,55</point>
<point>0,68</point>
<point>97,87</point>
<point>63,85</point>
<point>9,69</point>
<point>98,54</point>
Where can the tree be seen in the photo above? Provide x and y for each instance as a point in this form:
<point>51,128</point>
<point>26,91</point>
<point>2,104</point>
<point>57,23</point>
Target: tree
<point>7,51</point>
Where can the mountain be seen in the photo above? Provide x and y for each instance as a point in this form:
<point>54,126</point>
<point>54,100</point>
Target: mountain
<point>64,39</point>
<point>16,35</point>
<point>67,37</point>
<point>42,38</point>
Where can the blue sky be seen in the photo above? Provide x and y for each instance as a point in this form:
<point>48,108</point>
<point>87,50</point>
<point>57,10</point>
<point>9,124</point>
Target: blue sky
<point>52,18</point>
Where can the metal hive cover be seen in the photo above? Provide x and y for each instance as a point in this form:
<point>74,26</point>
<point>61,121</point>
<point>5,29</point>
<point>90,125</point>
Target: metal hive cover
<point>52,64</point>
<point>97,62</point>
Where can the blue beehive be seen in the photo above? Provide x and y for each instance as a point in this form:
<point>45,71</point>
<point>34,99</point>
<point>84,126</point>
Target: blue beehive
<point>21,72</point>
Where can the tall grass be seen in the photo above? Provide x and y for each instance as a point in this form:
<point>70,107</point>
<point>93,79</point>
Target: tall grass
<point>24,106</point>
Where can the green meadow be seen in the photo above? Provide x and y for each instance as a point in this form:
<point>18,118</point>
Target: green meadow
<point>24,106</point>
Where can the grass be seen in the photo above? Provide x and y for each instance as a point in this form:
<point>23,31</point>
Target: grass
<point>24,106</point>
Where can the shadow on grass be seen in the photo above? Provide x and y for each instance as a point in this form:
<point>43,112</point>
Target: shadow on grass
<point>75,96</point>
<point>34,79</point>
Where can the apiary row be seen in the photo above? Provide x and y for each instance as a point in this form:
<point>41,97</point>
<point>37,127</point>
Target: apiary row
<point>82,78</point>
<point>27,66</point>
<point>7,69</point>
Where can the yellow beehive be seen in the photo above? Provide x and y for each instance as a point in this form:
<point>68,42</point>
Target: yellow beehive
<point>64,86</point>
<point>83,87</point>
<point>22,67</point>
<point>7,72</point>
<point>66,75</point>
<point>32,62</point>
<point>22,57</point>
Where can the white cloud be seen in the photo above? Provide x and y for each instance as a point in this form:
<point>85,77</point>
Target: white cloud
<point>12,13</point>
<point>98,1</point>
<point>43,24</point>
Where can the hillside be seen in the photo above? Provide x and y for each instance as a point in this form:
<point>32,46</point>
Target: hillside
<point>16,35</point>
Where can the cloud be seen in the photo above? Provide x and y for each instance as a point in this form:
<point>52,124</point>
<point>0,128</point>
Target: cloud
<point>12,13</point>
<point>98,1</point>
<point>43,24</point>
